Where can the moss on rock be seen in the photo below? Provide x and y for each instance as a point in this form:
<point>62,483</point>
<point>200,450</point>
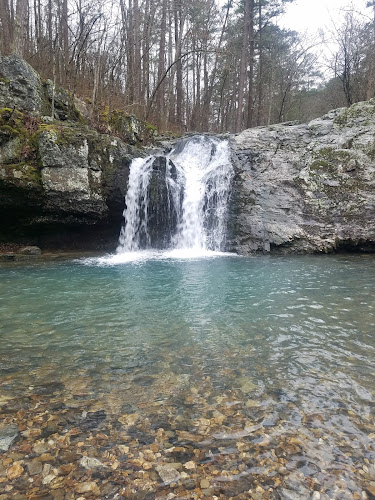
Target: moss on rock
<point>126,126</point>
<point>360,113</point>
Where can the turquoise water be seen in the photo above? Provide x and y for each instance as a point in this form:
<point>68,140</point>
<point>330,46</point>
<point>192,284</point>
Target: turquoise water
<point>283,343</point>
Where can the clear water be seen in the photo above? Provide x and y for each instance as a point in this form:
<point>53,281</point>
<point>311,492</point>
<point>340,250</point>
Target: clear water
<point>286,344</point>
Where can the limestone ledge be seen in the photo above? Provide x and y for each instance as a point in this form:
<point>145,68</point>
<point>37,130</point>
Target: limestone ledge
<point>306,187</point>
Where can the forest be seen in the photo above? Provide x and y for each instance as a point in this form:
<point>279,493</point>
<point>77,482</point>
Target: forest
<point>193,65</point>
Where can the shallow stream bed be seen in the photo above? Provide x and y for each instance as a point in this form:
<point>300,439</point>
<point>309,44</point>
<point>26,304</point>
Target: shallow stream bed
<point>222,377</point>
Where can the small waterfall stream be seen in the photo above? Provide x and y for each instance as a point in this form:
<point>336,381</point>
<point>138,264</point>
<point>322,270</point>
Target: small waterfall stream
<point>179,201</point>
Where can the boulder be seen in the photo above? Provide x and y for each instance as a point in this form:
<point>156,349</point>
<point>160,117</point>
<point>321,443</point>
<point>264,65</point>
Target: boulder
<point>306,187</point>
<point>20,86</point>
<point>8,434</point>
<point>30,250</point>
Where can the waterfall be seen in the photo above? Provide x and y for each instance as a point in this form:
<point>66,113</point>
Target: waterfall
<point>180,200</point>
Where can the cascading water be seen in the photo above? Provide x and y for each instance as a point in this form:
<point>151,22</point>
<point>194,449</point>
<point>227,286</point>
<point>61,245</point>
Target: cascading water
<point>179,201</point>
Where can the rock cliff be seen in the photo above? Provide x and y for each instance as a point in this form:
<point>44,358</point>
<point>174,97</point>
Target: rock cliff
<point>306,187</point>
<point>62,184</point>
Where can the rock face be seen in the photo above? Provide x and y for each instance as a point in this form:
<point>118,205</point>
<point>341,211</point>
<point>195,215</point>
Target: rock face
<point>306,188</point>
<point>62,184</point>
<point>162,212</point>
<point>20,85</point>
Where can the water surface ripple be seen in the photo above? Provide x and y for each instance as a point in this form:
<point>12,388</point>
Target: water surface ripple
<point>259,371</point>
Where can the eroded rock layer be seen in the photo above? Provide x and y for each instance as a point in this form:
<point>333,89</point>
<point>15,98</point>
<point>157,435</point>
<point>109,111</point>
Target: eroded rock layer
<point>58,176</point>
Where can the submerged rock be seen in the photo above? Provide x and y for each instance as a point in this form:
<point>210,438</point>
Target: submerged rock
<point>91,463</point>
<point>8,435</point>
<point>168,474</point>
<point>31,250</point>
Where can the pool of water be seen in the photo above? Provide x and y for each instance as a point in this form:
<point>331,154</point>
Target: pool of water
<point>200,378</point>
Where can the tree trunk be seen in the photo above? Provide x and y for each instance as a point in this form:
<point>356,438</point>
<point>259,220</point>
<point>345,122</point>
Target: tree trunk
<point>146,54</point>
<point>178,25</point>
<point>250,97</point>
<point>137,78</point>
<point>260,71</point>
<point>6,24</point>
<point>210,89</point>
<point>65,39</point>
<point>20,31</point>
<point>161,62</point>
<point>243,65</point>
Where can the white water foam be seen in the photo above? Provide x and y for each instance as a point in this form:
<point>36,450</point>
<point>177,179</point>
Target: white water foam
<point>198,175</point>
<point>146,255</point>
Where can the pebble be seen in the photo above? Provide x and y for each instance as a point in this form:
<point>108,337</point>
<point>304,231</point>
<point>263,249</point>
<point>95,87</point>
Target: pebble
<point>215,448</point>
<point>90,463</point>
<point>8,434</point>
<point>16,470</point>
<point>87,487</point>
<point>48,479</point>
<point>168,474</point>
<point>190,465</point>
<point>205,483</point>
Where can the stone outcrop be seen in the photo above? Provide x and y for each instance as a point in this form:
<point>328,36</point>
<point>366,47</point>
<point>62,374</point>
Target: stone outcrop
<point>20,86</point>
<point>62,184</point>
<point>306,187</point>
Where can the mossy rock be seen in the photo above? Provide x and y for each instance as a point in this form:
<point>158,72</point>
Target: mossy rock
<point>21,175</point>
<point>11,120</point>
<point>64,105</point>
<point>17,136</point>
<point>126,126</point>
<point>329,159</point>
<point>359,114</point>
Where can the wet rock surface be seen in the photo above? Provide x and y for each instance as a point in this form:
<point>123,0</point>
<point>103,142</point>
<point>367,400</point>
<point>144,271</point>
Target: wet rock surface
<point>8,434</point>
